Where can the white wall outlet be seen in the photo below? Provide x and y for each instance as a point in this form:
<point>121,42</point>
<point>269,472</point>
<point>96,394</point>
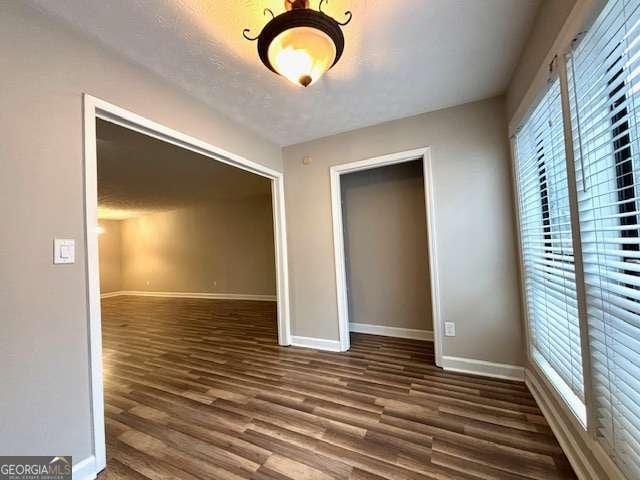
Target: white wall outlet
<point>450,329</point>
<point>148,283</point>
<point>64,250</point>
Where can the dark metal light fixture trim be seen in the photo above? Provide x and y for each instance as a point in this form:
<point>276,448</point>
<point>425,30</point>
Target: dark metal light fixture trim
<point>299,15</point>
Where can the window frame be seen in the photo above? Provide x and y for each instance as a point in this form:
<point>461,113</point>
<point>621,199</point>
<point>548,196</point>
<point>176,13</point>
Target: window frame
<point>578,408</point>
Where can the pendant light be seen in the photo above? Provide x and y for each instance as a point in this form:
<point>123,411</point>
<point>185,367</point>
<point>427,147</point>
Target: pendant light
<point>300,44</point>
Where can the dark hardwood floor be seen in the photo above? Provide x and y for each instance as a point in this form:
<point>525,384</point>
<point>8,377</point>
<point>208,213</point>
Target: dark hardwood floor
<point>198,389</point>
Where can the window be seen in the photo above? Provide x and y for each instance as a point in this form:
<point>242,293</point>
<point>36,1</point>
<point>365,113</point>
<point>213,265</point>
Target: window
<point>603,86</point>
<point>547,249</point>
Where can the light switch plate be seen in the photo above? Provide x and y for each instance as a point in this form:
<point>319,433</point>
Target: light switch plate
<point>450,329</point>
<point>64,250</point>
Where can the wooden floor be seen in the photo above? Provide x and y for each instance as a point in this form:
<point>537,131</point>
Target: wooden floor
<point>198,389</point>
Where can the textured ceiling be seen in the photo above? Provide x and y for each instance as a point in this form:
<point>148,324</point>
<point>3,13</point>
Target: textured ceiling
<point>138,174</point>
<point>402,57</point>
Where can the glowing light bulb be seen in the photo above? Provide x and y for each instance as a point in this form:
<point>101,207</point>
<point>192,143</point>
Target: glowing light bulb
<point>302,54</point>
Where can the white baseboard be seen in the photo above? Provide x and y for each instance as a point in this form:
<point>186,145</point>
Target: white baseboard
<point>85,469</point>
<point>317,343</point>
<point>391,331</point>
<point>214,296</point>
<point>481,367</point>
<point>111,294</point>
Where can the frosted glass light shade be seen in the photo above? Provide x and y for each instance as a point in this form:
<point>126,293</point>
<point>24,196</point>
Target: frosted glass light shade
<point>302,54</point>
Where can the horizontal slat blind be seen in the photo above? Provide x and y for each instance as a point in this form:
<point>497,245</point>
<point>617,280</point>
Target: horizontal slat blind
<point>603,89</point>
<point>545,233</point>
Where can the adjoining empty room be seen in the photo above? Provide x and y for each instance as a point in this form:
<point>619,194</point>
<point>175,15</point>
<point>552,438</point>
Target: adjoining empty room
<point>187,272</point>
<point>175,223</point>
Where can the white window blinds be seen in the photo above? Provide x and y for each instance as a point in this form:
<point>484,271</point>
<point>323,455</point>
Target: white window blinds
<point>545,234</point>
<point>603,80</point>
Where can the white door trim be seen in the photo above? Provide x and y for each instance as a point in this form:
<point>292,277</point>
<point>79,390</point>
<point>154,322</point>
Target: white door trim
<point>95,108</point>
<point>338,237</point>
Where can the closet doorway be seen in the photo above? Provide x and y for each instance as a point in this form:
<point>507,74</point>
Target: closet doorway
<point>386,268</point>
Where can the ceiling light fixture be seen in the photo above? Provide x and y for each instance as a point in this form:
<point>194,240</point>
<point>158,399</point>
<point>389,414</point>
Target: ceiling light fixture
<point>300,44</point>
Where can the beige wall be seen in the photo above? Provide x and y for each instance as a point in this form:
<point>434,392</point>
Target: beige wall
<point>109,243</point>
<point>473,219</point>
<point>224,247</point>
<point>547,24</point>
<point>385,234</point>
<point>44,342</point>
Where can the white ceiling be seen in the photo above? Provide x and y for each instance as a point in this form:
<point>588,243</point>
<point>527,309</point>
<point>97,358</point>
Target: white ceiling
<point>138,175</point>
<point>402,57</point>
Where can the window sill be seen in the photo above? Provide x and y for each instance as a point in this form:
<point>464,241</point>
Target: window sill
<point>573,403</point>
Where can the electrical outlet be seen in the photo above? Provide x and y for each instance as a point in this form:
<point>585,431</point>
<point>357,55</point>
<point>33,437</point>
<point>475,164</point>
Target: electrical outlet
<point>148,283</point>
<point>450,329</point>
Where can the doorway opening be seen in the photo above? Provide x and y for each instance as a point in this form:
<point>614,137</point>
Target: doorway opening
<point>167,270</point>
<point>385,248</point>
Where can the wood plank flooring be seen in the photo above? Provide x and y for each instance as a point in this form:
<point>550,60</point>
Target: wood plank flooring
<point>198,389</point>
